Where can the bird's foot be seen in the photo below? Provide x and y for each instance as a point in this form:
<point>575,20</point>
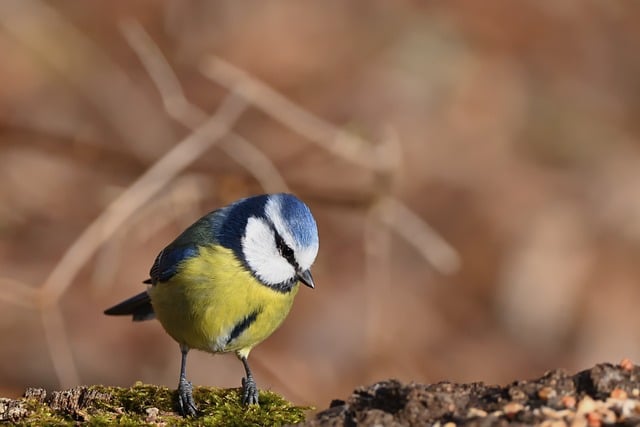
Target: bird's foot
<point>249,391</point>
<point>186,404</point>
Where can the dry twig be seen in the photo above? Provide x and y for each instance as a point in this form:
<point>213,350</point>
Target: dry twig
<point>245,153</point>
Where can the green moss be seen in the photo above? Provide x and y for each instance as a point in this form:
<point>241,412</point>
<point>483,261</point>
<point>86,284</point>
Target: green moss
<point>103,406</point>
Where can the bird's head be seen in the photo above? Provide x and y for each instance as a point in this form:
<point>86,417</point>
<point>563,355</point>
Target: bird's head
<point>279,239</point>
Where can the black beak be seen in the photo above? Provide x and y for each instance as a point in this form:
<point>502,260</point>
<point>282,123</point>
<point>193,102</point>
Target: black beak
<point>305,277</point>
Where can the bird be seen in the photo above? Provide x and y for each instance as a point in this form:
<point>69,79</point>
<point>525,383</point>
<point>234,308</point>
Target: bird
<point>228,281</point>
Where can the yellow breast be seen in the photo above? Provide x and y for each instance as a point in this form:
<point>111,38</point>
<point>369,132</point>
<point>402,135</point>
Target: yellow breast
<point>214,304</point>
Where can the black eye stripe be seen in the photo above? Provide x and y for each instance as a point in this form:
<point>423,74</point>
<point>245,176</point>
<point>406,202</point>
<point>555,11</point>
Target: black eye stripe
<point>285,250</point>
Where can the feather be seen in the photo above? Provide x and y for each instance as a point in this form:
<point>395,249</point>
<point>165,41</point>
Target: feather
<point>139,307</point>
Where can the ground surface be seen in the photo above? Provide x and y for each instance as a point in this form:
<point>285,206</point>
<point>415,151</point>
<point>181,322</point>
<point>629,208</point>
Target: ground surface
<point>604,395</point>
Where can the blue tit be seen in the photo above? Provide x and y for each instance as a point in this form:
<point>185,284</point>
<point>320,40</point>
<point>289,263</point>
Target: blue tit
<point>228,281</point>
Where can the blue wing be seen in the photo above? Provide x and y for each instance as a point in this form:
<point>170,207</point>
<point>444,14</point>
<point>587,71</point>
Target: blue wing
<point>185,246</point>
<point>168,261</point>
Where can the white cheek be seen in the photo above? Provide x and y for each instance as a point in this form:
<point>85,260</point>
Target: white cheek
<point>259,248</point>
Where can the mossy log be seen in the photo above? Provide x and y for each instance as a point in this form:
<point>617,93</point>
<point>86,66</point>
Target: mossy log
<point>144,404</point>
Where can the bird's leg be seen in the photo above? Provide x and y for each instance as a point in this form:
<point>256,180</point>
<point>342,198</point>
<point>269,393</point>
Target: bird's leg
<point>249,388</point>
<point>186,405</point>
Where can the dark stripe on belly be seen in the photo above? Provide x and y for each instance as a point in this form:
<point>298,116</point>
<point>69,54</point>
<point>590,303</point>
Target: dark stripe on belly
<point>242,326</point>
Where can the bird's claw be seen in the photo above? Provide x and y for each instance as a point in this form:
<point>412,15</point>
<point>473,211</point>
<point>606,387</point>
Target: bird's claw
<point>186,404</point>
<point>249,391</point>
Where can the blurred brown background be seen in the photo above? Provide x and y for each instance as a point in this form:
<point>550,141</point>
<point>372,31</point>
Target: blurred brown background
<point>483,225</point>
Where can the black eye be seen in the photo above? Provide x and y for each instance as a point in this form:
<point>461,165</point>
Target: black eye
<point>287,252</point>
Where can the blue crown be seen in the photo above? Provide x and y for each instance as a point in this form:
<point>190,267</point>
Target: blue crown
<point>298,218</point>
